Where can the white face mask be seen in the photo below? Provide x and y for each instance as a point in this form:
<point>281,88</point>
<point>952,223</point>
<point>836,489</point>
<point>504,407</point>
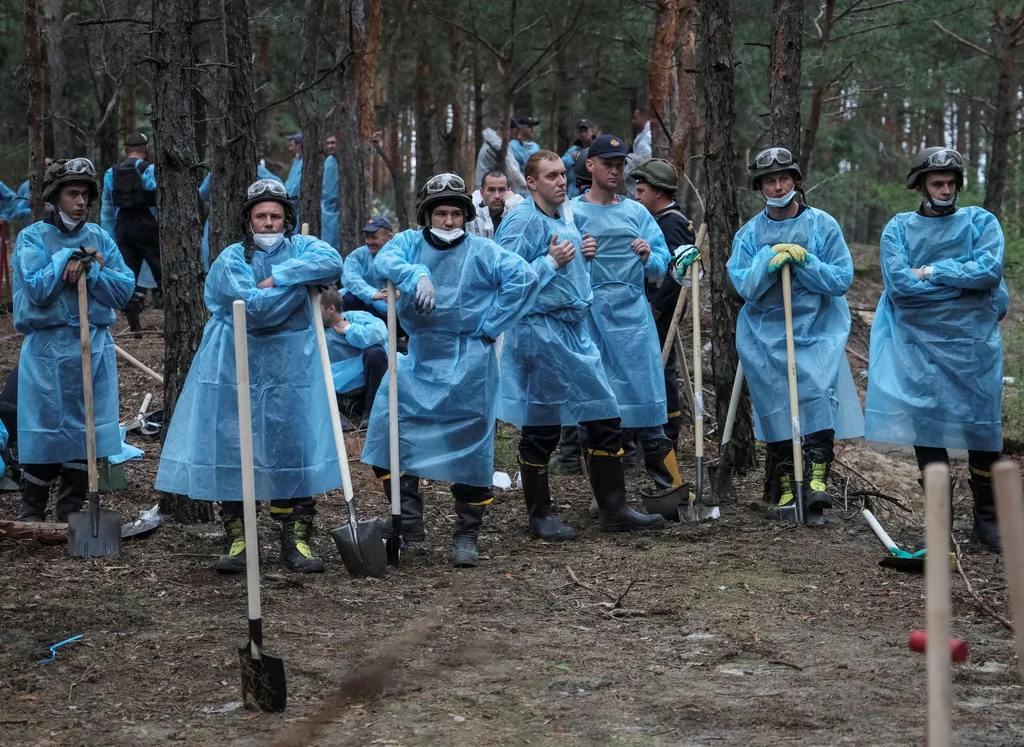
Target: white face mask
<point>781,202</point>
<point>69,222</point>
<point>448,237</point>
<point>943,203</point>
<point>268,240</point>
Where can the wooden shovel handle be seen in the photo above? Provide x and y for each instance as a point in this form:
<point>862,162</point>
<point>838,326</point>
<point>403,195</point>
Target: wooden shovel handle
<point>90,418</point>
<point>1010,504</point>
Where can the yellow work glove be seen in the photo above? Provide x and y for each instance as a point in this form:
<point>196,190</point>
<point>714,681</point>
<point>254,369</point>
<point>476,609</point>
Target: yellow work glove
<point>779,260</point>
<point>797,252</point>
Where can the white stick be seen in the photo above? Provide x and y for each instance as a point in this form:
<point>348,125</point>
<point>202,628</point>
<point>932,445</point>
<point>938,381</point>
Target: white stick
<point>734,403</point>
<point>794,397</point>
<point>1010,503</point>
<point>396,496</point>
<point>332,397</point>
<point>939,608</point>
<point>145,404</point>
<point>698,366</point>
<point>252,558</point>
<point>138,364</point>
<point>882,535</point>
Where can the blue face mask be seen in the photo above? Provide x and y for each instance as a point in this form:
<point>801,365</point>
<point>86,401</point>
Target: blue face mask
<point>781,202</point>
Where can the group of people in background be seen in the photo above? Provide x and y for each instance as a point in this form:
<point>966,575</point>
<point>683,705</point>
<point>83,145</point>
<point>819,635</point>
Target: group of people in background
<point>539,295</point>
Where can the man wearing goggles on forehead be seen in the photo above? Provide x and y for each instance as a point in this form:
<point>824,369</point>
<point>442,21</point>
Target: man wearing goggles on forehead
<point>293,443</point>
<point>459,292</point>
<point>49,258</point>
<point>788,231</point>
<point>936,374</point>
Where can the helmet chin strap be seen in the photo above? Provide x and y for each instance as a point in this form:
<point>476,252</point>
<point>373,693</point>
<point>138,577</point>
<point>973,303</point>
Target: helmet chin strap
<point>940,209</point>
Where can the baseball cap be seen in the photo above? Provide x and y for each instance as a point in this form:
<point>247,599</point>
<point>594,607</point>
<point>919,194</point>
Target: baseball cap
<point>297,137</point>
<point>376,223</point>
<point>584,123</point>
<point>607,146</point>
<point>136,139</point>
<point>526,119</point>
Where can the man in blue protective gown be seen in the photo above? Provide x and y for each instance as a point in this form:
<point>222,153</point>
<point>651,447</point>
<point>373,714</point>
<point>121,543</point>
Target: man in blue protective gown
<point>788,231</point>
<point>364,285</point>
<point>459,292</point>
<point>585,136</point>
<point>522,145</point>
<point>551,369</point>
<point>355,341</point>
<point>262,172</point>
<point>49,258</point>
<point>936,375</point>
<point>293,182</point>
<point>630,248</point>
<point>330,227</point>
<point>293,442</point>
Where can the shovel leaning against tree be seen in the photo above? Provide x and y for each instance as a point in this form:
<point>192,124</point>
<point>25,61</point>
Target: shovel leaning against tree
<point>94,532</point>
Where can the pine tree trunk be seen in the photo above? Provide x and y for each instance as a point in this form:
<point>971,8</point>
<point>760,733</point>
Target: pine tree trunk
<point>1008,35</point>
<point>353,179</point>
<point>686,116</point>
<point>177,183</point>
<point>232,130</point>
<point>36,92</point>
<point>310,120</point>
<point>659,73</point>
<point>127,125</point>
<point>425,120</point>
<point>399,179</point>
<point>716,71</point>
<point>784,89</point>
<point>105,136</point>
<point>53,14</point>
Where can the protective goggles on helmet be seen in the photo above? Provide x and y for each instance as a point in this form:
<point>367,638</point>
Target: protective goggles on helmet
<point>77,167</point>
<point>768,156</point>
<point>945,158</point>
<point>266,186</point>
<point>441,182</point>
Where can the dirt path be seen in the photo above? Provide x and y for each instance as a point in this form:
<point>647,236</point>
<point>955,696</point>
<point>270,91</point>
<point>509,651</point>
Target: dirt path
<point>737,632</point>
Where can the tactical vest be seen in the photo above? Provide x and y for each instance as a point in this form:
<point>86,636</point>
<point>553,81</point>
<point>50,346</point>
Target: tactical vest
<point>128,192</point>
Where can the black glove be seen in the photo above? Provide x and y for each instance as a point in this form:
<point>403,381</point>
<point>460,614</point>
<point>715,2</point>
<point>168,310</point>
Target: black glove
<point>85,256</point>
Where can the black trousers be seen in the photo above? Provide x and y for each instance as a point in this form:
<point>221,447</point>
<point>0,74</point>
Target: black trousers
<point>475,495</point>
<point>539,441</point>
<point>783,450</point>
<point>292,509</point>
<point>138,239</point>
<point>980,461</point>
<point>375,366</point>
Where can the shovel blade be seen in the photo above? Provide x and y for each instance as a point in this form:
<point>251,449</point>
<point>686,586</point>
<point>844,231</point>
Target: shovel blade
<point>904,565</point>
<point>667,503</point>
<point>361,547</point>
<point>263,683</point>
<point>95,532</point>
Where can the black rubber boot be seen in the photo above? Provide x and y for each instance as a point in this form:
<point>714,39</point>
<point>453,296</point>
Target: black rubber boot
<point>133,313</point>
<point>817,466</point>
<point>296,554</point>
<point>468,518</point>
<point>34,497</point>
<point>569,457</point>
<point>412,507</point>
<point>609,484</point>
<point>986,528</point>
<point>629,456</point>
<point>544,523</point>
<point>74,486</point>
<point>234,560</point>
<point>660,462</point>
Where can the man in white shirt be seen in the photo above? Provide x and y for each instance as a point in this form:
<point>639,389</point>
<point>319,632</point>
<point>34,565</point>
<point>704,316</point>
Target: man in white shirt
<point>493,201</point>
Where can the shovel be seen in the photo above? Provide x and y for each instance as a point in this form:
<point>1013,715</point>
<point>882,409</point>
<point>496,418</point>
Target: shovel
<point>263,684</point>
<point>359,542</point>
<point>95,532</point>
<point>140,418</point>
<point>394,540</point>
<point>721,482</point>
<point>795,511</point>
<point>898,559</point>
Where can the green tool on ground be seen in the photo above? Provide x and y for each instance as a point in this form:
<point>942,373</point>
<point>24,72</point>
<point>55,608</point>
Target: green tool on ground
<point>899,559</point>
<point>94,532</point>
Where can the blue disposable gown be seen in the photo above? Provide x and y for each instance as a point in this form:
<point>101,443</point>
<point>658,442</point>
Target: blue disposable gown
<point>293,182</point>
<point>8,202</point>
<point>448,383</point>
<point>620,319</point>
<point>522,151</point>
<point>346,351</point>
<point>23,206</point>
<point>3,445</point>
<point>293,443</point>
<point>262,172</point>
<point>362,278</point>
<point>936,373</point>
<point>571,190</point>
<point>51,399</point>
<point>821,326</point>
<point>551,370</point>
<point>330,229</point>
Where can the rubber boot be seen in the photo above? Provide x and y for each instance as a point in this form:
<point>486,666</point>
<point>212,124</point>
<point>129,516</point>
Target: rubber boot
<point>629,455</point>
<point>34,497</point>
<point>296,554</point>
<point>544,523</point>
<point>672,428</point>
<point>569,457</point>
<point>660,462</point>
<point>780,485</point>
<point>986,528</point>
<point>234,560</point>
<point>133,313</point>
<point>769,495</point>
<point>818,463</point>
<point>609,484</point>
<point>412,507</point>
<point>468,517</point>
<point>74,486</point>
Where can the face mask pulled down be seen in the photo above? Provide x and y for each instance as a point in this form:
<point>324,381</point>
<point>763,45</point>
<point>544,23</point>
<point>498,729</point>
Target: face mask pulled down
<point>69,223</point>
<point>268,241</point>
<point>781,202</point>
<point>447,237</point>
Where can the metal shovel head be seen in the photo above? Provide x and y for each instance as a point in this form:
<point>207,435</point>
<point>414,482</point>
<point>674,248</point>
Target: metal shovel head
<point>666,502</point>
<point>361,547</point>
<point>263,684</point>
<point>94,532</point>
<point>905,565</point>
<point>720,474</point>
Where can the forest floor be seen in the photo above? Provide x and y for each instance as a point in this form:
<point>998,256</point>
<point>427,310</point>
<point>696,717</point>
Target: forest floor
<point>738,631</point>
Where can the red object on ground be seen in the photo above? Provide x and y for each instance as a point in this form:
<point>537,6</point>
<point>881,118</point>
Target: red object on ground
<point>918,641</point>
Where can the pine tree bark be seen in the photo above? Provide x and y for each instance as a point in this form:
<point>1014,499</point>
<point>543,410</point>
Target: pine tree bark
<point>425,120</point>
<point>659,73</point>
<point>106,132</point>
<point>784,89</point>
<point>1009,32</point>
<point>399,179</point>
<point>127,125</point>
<point>177,215</point>
<point>311,122</point>
<point>686,116</point>
<point>717,73</point>
<point>817,99</point>
<point>36,93</point>
<point>53,14</point>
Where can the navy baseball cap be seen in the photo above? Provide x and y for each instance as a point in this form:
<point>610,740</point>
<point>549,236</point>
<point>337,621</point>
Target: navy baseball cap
<point>584,124</point>
<point>526,119</point>
<point>376,223</point>
<point>607,146</point>
<point>297,137</point>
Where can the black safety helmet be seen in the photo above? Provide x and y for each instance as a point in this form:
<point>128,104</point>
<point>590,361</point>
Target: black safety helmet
<point>76,170</point>
<point>936,159</point>
<point>771,160</point>
<point>440,189</point>
<point>268,190</point>
<point>584,179</point>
